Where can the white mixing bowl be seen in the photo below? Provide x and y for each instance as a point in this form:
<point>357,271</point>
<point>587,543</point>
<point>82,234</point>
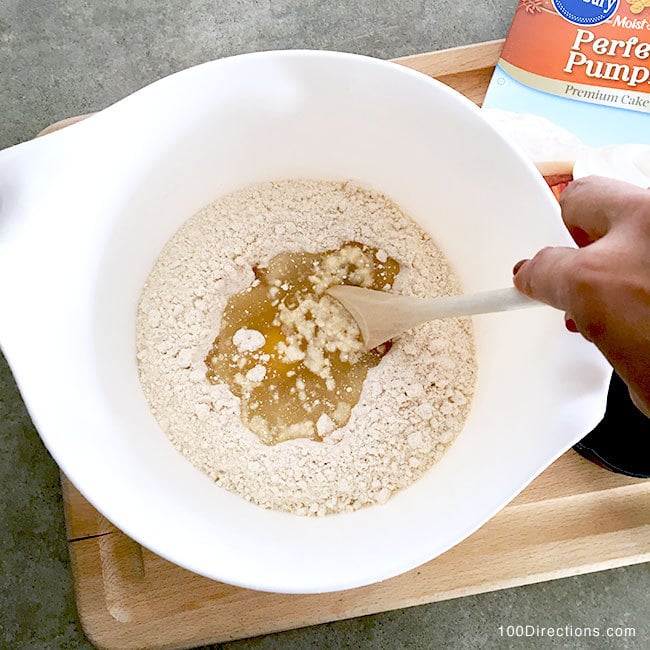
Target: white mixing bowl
<point>85,211</point>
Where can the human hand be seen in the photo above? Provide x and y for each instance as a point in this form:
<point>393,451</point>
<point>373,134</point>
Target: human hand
<point>604,285</point>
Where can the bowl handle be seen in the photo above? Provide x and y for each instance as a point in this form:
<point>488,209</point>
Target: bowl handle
<point>27,170</point>
<point>28,174</point>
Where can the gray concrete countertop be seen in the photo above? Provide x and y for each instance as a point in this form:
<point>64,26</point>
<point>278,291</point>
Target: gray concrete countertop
<point>67,57</point>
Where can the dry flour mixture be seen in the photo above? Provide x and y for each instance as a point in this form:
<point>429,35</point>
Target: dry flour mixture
<point>411,405</point>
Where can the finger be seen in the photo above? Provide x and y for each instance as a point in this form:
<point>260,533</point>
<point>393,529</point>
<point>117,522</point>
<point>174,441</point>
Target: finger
<point>518,265</point>
<point>549,276</point>
<point>568,321</point>
<point>591,206</point>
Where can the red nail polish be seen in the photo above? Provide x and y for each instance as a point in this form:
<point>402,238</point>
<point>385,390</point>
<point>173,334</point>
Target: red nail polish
<point>518,266</point>
<point>571,325</point>
<point>580,236</point>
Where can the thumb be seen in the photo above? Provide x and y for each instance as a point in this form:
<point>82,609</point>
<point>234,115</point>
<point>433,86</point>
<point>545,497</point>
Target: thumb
<point>549,277</point>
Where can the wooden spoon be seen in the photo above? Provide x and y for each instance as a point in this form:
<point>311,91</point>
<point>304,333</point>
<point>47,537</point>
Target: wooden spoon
<point>382,316</point>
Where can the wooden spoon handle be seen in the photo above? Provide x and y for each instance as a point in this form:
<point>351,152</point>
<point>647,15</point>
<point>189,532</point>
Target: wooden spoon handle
<point>483,302</point>
<point>382,316</point>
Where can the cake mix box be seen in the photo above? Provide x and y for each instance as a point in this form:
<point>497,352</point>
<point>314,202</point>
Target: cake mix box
<point>572,87</point>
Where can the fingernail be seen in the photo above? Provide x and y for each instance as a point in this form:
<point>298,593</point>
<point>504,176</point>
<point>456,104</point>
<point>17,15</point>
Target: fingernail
<point>570,324</point>
<point>518,266</point>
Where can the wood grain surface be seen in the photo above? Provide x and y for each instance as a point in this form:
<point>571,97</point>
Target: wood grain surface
<point>574,518</point>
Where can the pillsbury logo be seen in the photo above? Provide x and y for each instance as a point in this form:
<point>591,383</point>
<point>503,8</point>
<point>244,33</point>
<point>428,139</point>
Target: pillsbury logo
<point>586,12</point>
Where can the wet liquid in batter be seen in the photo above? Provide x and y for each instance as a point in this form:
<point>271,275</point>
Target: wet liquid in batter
<point>292,354</point>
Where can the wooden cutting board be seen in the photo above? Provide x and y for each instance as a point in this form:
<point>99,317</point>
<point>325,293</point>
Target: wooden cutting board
<point>574,518</point>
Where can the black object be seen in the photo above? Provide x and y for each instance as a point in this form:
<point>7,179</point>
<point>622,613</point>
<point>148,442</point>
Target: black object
<point>621,440</point>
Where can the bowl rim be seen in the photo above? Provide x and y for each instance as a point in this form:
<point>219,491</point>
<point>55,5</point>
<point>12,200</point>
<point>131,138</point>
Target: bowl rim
<point>112,509</point>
